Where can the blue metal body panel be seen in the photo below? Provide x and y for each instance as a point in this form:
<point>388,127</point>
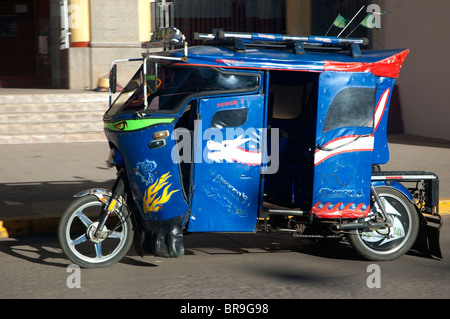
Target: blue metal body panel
<point>227,167</point>
<point>343,158</point>
<point>384,92</point>
<point>154,178</point>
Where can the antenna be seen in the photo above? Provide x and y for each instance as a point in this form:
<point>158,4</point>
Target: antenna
<point>350,21</point>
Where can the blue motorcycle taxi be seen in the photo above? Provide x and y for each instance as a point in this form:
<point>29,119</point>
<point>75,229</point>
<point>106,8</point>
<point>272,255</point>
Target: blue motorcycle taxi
<point>253,132</point>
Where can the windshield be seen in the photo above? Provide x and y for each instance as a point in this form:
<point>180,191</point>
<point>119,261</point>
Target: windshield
<point>129,92</point>
<point>174,83</point>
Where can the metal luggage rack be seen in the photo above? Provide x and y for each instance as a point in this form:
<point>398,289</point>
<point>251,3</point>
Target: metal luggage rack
<point>298,44</point>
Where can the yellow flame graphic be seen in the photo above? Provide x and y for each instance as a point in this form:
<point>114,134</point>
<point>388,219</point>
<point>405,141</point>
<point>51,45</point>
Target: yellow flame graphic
<point>151,202</point>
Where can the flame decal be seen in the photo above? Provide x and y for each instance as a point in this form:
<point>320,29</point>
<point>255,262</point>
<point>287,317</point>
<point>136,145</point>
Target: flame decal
<point>151,201</point>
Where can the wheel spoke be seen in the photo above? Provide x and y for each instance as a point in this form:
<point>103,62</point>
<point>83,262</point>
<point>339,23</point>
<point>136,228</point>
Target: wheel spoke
<point>98,250</point>
<point>115,234</point>
<point>84,219</point>
<point>79,240</point>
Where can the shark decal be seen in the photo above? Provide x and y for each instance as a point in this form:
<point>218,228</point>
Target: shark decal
<point>233,151</point>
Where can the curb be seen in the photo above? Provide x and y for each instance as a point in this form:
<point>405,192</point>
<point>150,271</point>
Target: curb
<point>11,227</point>
<point>444,206</point>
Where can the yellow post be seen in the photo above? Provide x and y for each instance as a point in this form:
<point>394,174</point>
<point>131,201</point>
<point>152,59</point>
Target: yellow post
<point>145,21</point>
<point>79,23</point>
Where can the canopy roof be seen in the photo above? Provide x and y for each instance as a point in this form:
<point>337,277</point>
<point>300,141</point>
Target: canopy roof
<point>380,62</point>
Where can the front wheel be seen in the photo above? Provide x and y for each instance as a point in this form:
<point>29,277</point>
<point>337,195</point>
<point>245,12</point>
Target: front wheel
<point>83,245</point>
<point>391,242</point>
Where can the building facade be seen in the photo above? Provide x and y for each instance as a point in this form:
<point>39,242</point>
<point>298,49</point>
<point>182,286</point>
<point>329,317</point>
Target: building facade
<point>70,44</point>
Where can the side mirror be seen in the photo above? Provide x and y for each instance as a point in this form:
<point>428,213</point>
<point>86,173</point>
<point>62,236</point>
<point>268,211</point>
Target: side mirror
<point>113,78</point>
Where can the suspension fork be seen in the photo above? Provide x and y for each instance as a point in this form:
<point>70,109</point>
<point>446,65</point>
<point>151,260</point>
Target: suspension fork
<point>117,191</point>
<point>377,201</point>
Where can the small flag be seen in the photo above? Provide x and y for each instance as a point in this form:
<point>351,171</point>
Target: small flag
<point>340,22</point>
<point>369,22</point>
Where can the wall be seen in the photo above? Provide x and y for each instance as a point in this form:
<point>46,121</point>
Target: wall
<point>422,27</point>
<point>116,31</point>
<point>298,17</point>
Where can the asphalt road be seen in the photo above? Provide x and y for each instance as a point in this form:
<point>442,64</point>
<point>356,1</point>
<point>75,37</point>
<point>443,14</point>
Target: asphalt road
<point>225,266</point>
<point>40,180</point>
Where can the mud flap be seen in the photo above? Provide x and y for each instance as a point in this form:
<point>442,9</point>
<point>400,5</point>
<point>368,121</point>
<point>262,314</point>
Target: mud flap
<point>165,238</point>
<point>427,241</point>
<point>137,242</point>
<point>138,238</point>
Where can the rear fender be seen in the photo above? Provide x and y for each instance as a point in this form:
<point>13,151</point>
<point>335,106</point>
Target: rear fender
<point>397,186</point>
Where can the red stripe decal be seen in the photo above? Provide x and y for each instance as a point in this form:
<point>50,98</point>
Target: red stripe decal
<point>389,67</point>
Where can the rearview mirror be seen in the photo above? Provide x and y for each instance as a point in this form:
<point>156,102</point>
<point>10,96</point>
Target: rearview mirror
<point>113,78</point>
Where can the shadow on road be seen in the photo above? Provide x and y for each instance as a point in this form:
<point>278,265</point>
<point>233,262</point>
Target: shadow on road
<point>42,198</point>
<point>35,208</point>
<point>45,250</point>
<point>261,242</point>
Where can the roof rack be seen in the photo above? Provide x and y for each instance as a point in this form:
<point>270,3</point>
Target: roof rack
<point>165,38</point>
<point>240,39</point>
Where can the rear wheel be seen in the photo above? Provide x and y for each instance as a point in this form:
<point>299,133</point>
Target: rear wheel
<point>391,242</point>
<point>79,240</point>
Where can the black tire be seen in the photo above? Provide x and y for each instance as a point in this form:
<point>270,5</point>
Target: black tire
<point>376,247</point>
<point>75,231</point>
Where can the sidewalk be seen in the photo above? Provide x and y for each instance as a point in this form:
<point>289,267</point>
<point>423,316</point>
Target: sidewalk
<point>39,180</point>
<point>29,95</point>
<point>29,116</point>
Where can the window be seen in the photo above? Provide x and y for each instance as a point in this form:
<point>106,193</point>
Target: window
<point>229,118</point>
<point>129,92</point>
<point>175,83</point>
<point>352,107</point>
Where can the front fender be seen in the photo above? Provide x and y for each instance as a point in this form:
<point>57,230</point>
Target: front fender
<point>98,192</point>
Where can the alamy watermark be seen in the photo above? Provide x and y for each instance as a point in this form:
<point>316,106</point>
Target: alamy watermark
<point>374,279</point>
<point>74,279</point>
<point>375,18</point>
